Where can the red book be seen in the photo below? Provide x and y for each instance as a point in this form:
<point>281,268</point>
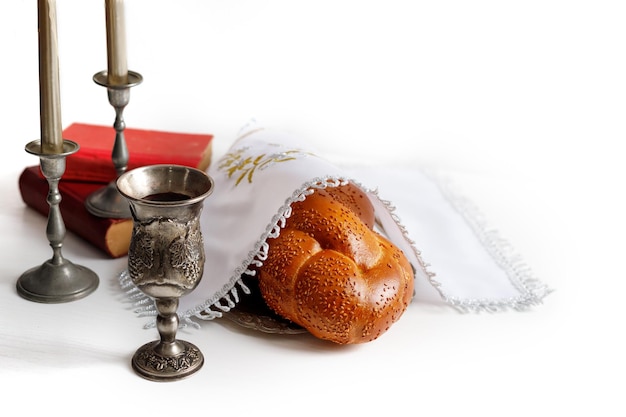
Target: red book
<point>91,168</point>
<point>93,161</point>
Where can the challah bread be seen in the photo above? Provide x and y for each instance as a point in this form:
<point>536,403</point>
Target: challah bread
<point>331,273</point>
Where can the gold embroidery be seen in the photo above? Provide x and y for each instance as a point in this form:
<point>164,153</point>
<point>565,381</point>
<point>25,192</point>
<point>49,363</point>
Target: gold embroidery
<point>236,162</point>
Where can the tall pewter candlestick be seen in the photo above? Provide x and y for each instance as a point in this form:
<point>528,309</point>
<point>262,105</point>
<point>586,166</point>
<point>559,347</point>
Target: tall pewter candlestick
<point>166,258</point>
<point>57,280</point>
<point>107,201</point>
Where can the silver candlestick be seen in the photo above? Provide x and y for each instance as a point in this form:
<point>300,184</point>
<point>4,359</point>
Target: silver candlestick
<point>166,258</point>
<point>57,280</point>
<point>107,201</point>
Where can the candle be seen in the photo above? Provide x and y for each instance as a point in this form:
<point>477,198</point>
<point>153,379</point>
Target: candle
<point>116,42</point>
<point>49,91</point>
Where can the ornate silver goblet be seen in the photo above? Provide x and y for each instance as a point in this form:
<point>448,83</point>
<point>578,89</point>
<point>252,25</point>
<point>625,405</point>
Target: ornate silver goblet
<point>166,258</point>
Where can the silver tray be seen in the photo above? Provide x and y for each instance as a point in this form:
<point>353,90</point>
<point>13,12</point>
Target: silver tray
<point>251,312</point>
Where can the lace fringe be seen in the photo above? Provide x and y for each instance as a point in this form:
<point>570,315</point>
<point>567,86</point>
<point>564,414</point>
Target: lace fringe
<point>532,290</point>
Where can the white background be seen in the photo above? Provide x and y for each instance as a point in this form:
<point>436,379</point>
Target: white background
<point>523,101</point>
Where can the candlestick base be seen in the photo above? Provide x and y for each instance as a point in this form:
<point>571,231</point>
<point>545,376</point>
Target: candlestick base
<point>56,280</point>
<point>57,283</point>
<point>108,202</point>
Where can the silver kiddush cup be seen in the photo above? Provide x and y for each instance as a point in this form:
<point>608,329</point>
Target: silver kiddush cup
<point>166,258</point>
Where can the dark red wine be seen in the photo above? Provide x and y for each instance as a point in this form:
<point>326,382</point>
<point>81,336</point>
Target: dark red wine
<point>167,196</point>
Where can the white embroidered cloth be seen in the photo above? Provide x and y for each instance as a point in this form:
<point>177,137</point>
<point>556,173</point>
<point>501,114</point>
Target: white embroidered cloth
<point>458,261</point>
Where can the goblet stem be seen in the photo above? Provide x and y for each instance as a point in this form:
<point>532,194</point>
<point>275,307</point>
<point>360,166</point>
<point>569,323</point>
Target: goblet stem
<point>167,325</point>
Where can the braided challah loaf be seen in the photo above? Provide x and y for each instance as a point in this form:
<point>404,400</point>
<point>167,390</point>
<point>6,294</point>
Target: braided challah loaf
<point>331,273</point>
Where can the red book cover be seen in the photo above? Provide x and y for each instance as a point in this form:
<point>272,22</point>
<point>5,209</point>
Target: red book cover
<point>110,235</point>
<point>93,161</point>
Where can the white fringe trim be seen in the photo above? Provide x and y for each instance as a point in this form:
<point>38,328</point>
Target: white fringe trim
<point>531,289</point>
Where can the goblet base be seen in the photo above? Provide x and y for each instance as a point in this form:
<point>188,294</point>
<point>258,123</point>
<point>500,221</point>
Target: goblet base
<point>151,363</point>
